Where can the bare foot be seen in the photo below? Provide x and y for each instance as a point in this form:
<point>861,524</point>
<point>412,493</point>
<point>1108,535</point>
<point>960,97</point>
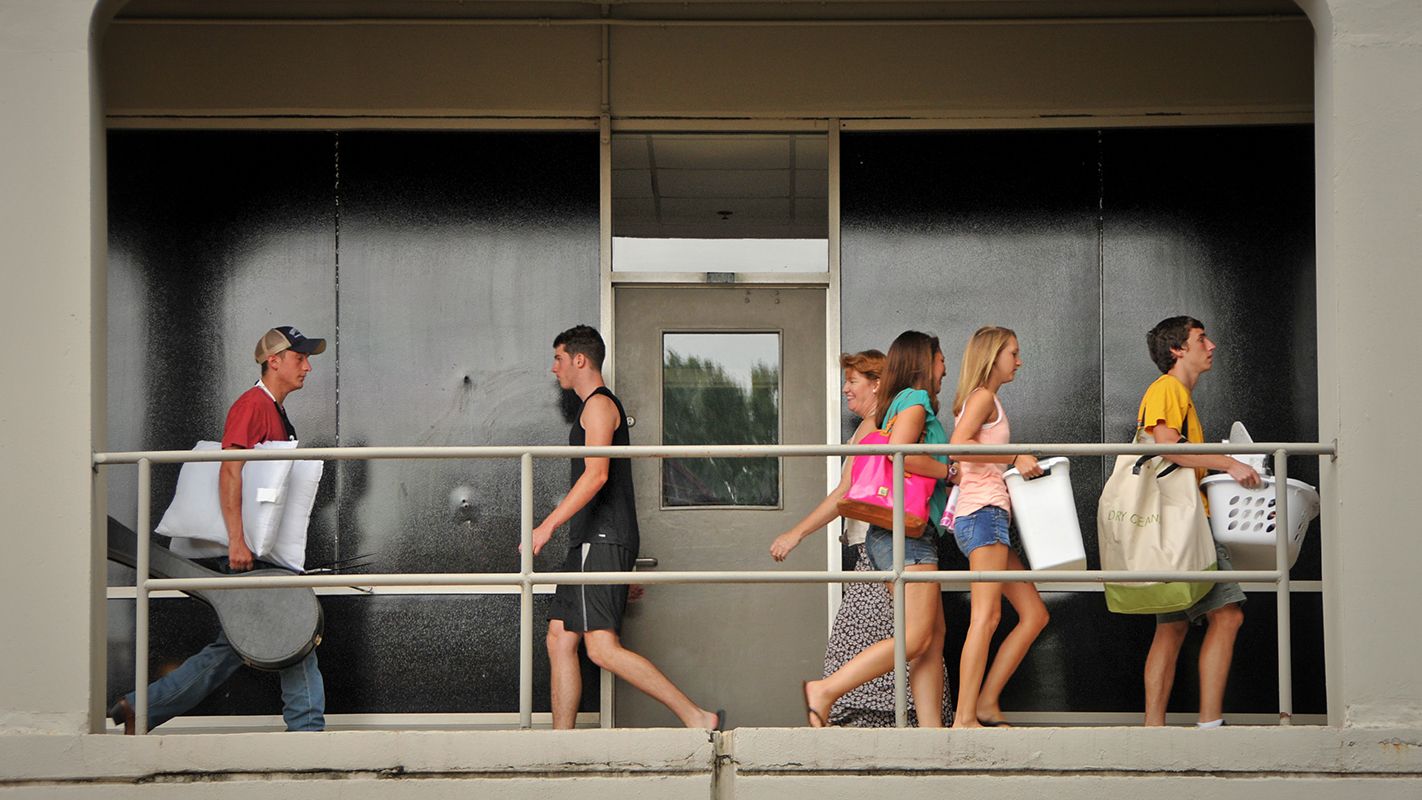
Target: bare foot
<point>817,711</point>
<point>709,720</point>
<point>991,716</point>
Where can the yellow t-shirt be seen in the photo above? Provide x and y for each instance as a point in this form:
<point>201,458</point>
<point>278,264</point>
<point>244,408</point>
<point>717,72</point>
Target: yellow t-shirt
<point>1168,401</point>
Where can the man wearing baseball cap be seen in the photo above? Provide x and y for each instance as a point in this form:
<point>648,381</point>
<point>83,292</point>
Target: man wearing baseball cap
<point>256,417</point>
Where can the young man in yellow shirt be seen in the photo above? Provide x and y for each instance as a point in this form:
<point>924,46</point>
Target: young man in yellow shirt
<point>1183,352</point>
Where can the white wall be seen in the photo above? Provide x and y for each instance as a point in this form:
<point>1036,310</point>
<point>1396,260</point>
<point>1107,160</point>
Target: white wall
<point>1369,123</point>
<point>51,402</point>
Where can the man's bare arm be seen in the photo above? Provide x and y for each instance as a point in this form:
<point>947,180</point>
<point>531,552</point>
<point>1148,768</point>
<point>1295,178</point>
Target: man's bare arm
<point>1240,471</point>
<point>229,489</point>
<point>599,420</point>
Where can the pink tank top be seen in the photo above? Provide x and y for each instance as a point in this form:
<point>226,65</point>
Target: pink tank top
<point>982,485</point>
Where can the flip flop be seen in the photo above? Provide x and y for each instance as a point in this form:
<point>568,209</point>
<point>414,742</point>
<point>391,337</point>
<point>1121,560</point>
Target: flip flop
<point>720,719</point>
<point>1001,723</point>
<point>810,714</point>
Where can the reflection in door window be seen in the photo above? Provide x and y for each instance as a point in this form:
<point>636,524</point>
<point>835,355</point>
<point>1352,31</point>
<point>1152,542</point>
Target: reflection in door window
<point>720,388</point>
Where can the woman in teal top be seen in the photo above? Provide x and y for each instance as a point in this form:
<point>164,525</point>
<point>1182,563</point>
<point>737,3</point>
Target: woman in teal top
<point>931,433</point>
<point>913,376</point>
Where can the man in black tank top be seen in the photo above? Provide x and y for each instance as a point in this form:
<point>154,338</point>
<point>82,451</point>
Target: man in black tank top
<point>602,510</point>
<point>610,517</point>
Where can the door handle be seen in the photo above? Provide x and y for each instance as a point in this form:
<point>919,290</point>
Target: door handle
<point>646,562</point>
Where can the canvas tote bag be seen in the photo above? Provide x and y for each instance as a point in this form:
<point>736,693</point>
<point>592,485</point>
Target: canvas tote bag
<point>1151,517</point>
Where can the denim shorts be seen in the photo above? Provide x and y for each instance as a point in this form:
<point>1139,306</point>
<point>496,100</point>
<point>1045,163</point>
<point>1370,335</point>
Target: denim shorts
<point>987,525</point>
<point>879,544</point>
<point>1219,596</point>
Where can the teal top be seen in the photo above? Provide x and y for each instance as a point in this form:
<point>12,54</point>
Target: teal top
<point>933,433</point>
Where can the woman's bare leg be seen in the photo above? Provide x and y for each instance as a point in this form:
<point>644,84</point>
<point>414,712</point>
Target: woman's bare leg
<point>920,622</point>
<point>926,671</point>
<point>1032,618</point>
<point>986,611</point>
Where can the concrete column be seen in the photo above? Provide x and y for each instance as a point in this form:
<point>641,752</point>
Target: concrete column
<point>1368,74</point>
<point>52,245</point>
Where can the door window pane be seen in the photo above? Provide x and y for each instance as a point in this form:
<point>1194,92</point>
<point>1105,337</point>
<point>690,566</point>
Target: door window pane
<point>721,388</point>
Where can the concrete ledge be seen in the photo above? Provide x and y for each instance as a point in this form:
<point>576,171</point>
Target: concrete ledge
<point>745,753</point>
<point>1251,750</point>
<point>1087,763</point>
<point>647,752</point>
<point>372,787</point>
<point>1075,787</point>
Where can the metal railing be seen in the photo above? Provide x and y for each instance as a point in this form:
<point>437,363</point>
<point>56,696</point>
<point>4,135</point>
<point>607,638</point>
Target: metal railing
<point>526,578</point>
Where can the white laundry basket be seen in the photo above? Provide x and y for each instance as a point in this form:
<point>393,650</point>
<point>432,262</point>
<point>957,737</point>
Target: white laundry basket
<point>1045,511</point>
<point>1243,519</point>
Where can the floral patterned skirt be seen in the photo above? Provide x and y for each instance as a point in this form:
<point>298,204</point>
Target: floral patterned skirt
<point>866,616</point>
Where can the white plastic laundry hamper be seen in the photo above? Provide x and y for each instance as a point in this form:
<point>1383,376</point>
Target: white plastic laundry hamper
<point>1243,519</point>
<point>1045,511</point>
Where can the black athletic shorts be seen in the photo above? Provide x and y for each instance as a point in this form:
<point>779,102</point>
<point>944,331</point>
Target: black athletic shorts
<point>593,607</point>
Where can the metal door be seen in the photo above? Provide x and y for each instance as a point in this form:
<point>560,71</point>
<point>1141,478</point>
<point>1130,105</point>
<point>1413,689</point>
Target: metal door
<point>744,648</point>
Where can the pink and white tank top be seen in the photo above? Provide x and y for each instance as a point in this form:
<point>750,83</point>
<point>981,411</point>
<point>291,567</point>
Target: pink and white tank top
<point>982,485</point>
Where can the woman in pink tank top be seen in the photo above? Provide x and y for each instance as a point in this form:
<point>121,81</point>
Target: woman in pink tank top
<point>980,527</point>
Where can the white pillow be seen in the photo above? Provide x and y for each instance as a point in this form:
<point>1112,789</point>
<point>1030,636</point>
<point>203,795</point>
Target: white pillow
<point>288,547</point>
<point>200,548</point>
<point>196,510</point>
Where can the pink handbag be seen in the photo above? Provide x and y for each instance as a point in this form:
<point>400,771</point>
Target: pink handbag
<point>871,492</point>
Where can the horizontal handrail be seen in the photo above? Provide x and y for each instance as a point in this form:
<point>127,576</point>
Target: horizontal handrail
<point>722,576</point>
<point>711,451</point>
<point>526,578</point>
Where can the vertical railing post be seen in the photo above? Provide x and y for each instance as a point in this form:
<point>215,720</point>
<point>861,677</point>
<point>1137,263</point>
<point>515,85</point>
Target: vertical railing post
<point>140,585</point>
<point>525,607</point>
<point>900,645</point>
<point>1281,589</point>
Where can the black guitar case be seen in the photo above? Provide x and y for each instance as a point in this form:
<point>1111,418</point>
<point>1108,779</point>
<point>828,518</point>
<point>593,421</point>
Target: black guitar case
<point>270,629</point>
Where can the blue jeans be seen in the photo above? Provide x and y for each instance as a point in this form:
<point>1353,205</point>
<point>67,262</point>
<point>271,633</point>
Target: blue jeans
<point>879,546</point>
<point>303,692</point>
<point>987,525</point>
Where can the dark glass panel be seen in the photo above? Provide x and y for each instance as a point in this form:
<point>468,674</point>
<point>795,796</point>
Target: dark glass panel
<point>215,237</point>
<point>462,256</point>
<point>450,261</point>
<point>383,654</point>
<point>946,232</point>
<point>1091,660</point>
<point>1217,223</point>
<point>1081,241</point>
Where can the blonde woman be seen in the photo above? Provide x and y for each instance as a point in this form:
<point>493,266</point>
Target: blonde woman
<point>990,360</point>
<point>913,376</point>
<point>866,612</point>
